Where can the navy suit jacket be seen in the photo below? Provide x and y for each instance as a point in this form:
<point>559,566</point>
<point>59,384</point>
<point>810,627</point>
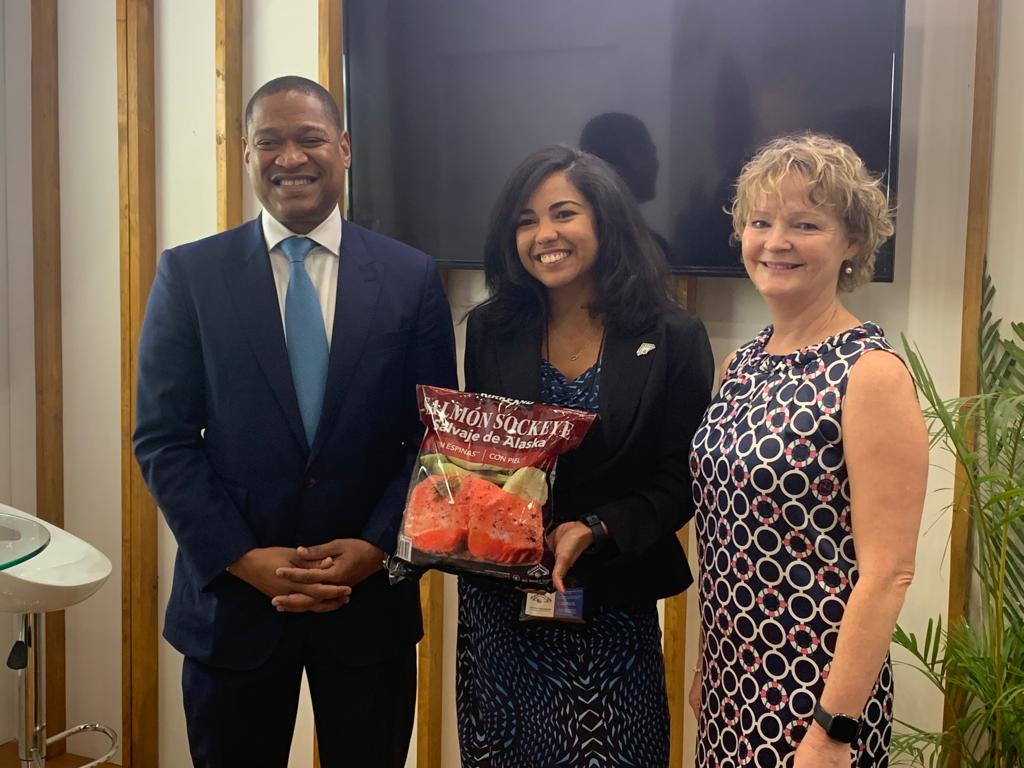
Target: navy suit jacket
<point>220,441</point>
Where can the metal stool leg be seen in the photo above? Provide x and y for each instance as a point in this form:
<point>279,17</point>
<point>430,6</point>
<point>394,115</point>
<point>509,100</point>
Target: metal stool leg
<point>90,728</point>
<point>28,656</point>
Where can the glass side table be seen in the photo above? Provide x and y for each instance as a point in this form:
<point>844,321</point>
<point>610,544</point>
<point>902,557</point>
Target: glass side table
<point>20,539</point>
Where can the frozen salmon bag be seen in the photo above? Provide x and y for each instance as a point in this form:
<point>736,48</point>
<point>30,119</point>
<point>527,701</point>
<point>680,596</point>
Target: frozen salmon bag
<point>480,498</point>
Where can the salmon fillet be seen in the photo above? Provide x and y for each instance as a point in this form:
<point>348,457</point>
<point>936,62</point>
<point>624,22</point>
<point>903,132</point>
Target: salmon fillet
<point>503,528</point>
<point>448,515</point>
<point>434,519</point>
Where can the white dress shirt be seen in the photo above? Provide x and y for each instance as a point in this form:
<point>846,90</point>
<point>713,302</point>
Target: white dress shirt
<point>321,263</point>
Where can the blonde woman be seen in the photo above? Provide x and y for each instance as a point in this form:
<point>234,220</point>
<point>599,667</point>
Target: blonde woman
<point>809,477</point>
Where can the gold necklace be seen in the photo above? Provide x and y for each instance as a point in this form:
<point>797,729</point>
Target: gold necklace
<point>575,355</point>
<point>572,357</point>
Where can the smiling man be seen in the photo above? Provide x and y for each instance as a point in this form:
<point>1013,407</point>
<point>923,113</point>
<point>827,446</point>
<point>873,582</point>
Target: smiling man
<point>277,428</point>
<point>295,152</point>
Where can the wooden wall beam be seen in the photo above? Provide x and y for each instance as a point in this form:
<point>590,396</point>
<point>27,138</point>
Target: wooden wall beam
<point>49,366</point>
<point>429,701</point>
<point>677,674</point>
<point>974,264</point>
<point>330,49</point>
<point>330,53</point>
<point>229,113</point>
<point>137,193</point>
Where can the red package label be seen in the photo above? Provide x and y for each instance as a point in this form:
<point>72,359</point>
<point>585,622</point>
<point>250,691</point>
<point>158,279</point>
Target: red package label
<point>480,498</point>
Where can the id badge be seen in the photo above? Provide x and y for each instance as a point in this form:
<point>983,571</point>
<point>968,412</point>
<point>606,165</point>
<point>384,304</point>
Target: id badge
<point>553,606</point>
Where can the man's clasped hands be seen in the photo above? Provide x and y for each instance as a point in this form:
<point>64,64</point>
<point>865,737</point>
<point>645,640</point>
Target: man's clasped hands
<point>317,579</point>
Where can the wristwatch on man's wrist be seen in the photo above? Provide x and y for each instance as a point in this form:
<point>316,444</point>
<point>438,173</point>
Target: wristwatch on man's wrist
<point>838,727</point>
<point>593,522</point>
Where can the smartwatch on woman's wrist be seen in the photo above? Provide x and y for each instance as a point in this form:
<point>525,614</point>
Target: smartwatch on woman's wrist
<point>838,727</point>
<point>597,529</point>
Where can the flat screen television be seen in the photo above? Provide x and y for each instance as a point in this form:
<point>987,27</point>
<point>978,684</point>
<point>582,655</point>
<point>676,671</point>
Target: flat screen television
<point>445,97</point>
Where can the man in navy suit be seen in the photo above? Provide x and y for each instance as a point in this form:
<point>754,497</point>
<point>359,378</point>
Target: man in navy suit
<point>280,452</point>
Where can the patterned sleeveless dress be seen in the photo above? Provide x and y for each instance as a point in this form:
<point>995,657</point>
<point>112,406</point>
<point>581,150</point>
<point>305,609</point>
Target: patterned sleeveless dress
<point>540,694</point>
<point>776,552</point>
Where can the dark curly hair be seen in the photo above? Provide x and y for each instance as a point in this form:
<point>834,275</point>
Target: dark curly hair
<point>631,274</point>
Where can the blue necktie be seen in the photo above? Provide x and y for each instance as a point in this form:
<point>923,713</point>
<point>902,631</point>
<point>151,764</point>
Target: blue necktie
<point>305,334</point>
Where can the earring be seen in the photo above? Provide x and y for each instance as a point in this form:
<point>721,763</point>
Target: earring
<point>848,269</point>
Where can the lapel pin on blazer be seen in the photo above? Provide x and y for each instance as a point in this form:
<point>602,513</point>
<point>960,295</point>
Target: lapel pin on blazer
<point>644,348</point>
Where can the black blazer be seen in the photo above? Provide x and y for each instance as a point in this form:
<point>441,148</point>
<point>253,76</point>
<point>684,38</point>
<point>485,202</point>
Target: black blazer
<point>632,469</point>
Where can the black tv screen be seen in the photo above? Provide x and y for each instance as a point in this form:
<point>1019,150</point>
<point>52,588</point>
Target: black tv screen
<point>445,97</point>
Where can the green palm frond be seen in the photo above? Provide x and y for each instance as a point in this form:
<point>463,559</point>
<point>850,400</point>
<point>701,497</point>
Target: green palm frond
<point>915,747</point>
<point>1000,361</point>
<point>979,666</point>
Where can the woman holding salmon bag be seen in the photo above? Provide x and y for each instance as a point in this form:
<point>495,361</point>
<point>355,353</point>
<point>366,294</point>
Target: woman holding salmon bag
<point>580,316</point>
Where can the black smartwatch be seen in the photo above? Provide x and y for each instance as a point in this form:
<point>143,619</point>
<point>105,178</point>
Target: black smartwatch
<point>593,522</point>
<point>838,727</point>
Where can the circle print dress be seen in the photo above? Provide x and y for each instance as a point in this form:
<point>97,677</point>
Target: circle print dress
<point>776,552</point>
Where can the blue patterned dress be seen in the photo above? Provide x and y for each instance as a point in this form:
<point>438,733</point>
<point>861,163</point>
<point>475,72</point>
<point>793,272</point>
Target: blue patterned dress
<point>777,559</point>
<point>539,694</point>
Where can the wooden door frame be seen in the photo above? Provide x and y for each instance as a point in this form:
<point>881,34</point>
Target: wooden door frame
<point>49,365</point>
<point>228,62</point>
<point>136,126</point>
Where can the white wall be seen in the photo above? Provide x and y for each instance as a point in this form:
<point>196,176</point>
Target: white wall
<point>18,155</point>
<point>280,37</point>
<point>7,678</point>
<point>90,309</point>
<point>17,355</point>
<point>5,362</point>
<point>1006,230</point>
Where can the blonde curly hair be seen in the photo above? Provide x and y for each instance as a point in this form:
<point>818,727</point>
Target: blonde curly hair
<point>836,178</point>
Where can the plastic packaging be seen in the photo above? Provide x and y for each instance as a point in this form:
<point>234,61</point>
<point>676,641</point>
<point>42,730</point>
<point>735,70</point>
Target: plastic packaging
<point>480,499</point>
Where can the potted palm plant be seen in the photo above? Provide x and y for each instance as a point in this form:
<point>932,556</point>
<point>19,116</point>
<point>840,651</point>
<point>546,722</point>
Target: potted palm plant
<point>978,661</point>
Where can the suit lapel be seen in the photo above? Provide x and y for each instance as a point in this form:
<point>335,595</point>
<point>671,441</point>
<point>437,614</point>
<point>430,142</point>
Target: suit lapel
<point>624,375</point>
<point>250,282</point>
<point>359,281</point>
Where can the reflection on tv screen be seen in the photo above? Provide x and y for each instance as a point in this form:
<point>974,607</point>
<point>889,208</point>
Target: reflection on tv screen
<point>445,97</point>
